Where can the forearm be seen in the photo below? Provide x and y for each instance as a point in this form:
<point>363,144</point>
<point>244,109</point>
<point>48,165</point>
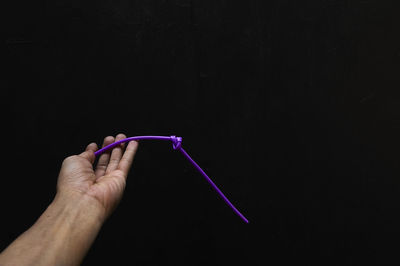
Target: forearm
<point>61,236</point>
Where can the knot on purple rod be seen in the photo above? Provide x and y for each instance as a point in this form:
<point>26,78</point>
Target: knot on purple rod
<point>176,142</point>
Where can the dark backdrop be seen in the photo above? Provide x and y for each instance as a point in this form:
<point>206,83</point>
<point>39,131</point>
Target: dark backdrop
<point>291,107</point>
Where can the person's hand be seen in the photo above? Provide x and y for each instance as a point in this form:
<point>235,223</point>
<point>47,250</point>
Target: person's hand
<point>85,197</point>
<point>102,185</point>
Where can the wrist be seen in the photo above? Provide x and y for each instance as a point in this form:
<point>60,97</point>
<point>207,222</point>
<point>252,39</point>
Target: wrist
<point>79,206</point>
<point>69,225</point>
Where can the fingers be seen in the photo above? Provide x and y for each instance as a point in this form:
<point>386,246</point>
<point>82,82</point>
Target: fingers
<point>116,155</point>
<point>104,158</point>
<point>89,152</point>
<point>127,159</point>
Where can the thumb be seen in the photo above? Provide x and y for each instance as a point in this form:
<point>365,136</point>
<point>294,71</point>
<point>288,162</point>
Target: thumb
<point>88,154</point>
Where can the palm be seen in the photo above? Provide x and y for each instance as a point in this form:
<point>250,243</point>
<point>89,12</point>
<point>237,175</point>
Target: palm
<point>106,182</point>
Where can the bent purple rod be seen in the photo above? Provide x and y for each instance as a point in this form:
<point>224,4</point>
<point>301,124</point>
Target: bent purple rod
<point>177,145</point>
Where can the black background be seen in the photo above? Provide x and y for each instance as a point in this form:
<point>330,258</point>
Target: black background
<point>291,107</point>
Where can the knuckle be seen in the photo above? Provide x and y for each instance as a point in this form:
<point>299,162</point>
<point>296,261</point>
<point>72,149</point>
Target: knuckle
<point>120,174</point>
<point>114,161</point>
<point>101,165</point>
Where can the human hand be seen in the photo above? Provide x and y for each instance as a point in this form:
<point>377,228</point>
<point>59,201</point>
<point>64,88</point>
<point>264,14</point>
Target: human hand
<point>102,185</point>
<point>85,198</point>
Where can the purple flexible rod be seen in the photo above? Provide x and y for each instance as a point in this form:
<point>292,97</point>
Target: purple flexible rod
<point>177,145</point>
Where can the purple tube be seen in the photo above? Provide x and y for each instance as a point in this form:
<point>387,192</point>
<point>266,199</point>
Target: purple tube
<point>177,145</point>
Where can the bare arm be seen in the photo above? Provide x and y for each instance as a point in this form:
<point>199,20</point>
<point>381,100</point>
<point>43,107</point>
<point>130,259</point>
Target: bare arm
<point>85,198</point>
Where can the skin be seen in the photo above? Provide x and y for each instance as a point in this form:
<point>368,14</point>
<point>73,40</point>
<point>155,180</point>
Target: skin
<point>86,196</point>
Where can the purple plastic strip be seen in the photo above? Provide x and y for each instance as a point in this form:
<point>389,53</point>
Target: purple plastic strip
<point>177,145</point>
